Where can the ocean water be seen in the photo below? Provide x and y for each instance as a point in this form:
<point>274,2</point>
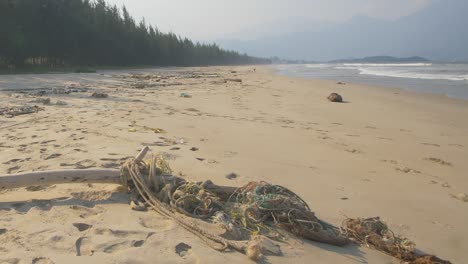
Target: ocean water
<point>448,79</point>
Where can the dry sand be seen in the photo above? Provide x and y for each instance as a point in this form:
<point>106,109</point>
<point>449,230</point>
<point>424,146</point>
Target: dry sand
<point>381,153</point>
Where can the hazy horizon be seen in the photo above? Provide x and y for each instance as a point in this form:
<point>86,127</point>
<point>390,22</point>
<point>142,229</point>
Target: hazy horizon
<point>210,20</point>
<point>316,30</point>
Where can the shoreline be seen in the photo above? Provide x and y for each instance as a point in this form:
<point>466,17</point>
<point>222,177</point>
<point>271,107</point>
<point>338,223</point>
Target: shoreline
<point>375,85</point>
<point>398,156</point>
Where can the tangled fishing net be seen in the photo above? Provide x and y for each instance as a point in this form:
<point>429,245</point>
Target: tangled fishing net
<point>251,216</point>
<point>374,233</point>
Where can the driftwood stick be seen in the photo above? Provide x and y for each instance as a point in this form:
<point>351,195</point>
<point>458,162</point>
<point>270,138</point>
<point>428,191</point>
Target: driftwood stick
<point>111,176</point>
<point>142,154</point>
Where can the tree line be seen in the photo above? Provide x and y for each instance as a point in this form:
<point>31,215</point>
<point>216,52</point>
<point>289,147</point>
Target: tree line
<point>56,33</point>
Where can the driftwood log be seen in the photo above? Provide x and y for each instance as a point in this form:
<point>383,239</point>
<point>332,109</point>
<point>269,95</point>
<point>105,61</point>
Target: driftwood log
<point>111,176</point>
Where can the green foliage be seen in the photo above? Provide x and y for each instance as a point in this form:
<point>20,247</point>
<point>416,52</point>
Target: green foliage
<point>92,33</point>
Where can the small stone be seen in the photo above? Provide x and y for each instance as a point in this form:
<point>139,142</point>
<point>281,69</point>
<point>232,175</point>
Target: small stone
<point>231,176</point>
<point>182,249</point>
<point>334,97</point>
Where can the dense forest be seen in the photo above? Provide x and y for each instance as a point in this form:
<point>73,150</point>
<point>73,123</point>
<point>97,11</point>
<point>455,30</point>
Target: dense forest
<point>58,33</point>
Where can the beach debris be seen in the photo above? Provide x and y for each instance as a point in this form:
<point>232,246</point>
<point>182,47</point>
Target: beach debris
<point>185,95</point>
<point>374,233</point>
<point>258,208</point>
<point>132,130</point>
<point>60,91</point>
<point>251,215</point>
<point>437,160</point>
<point>182,249</point>
<point>341,83</point>
<point>60,103</point>
<point>3,231</point>
<point>408,170</point>
<point>155,130</point>
<point>99,95</point>
<point>234,80</point>
<point>44,101</point>
<point>10,112</point>
<point>35,188</point>
<point>461,196</point>
<point>231,176</point>
<point>193,149</point>
<point>137,206</point>
<point>334,97</point>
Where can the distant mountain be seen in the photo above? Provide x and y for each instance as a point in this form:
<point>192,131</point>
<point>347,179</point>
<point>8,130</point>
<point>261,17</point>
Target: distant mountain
<point>437,32</point>
<point>383,59</point>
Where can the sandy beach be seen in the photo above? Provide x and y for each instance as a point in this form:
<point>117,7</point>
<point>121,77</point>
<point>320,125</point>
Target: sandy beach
<point>383,152</point>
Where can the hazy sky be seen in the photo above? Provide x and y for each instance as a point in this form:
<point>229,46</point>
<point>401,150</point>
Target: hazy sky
<point>208,20</point>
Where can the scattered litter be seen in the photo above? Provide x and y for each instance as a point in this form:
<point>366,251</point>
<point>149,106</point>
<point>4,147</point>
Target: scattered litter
<point>194,149</point>
<point>182,249</point>
<point>99,95</point>
<point>461,196</point>
<point>375,234</point>
<point>334,97</point>
<point>341,83</point>
<point>155,130</point>
<point>185,95</point>
<point>44,101</point>
<point>60,91</point>
<point>175,148</point>
<point>200,159</point>
<point>231,176</point>
<point>132,130</point>
<point>234,80</point>
<point>10,112</point>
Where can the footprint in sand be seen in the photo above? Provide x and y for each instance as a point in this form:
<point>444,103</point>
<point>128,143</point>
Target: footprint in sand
<point>42,260</point>
<point>82,226</point>
<point>51,156</point>
<point>125,240</point>
<point>85,164</point>
<point>439,161</point>
<point>182,249</point>
<point>407,170</point>
<point>13,169</point>
<point>384,138</point>
<point>355,151</point>
<point>430,144</point>
<point>35,188</point>
<point>84,247</point>
<point>12,161</point>
<point>85,212</point>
